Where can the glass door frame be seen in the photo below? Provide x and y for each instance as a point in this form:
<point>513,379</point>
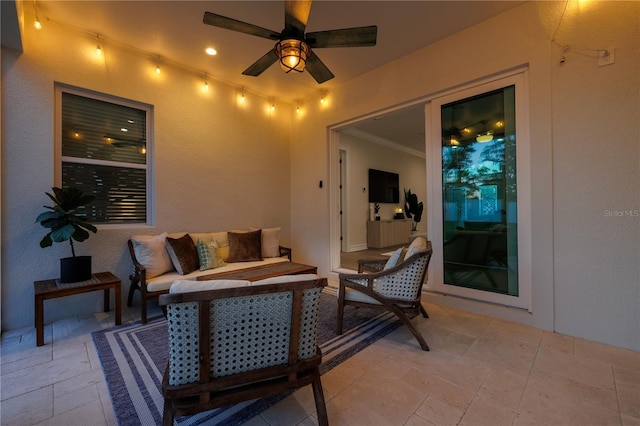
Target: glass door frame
<point>519,79</point>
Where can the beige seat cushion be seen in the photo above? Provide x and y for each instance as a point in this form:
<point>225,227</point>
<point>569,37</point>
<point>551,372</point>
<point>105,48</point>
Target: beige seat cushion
<point>188,286</point>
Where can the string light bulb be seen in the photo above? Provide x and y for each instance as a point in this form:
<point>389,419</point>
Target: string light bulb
<point>158,69</point>
<point>205,84</point>
<point>98,47</point>
<point>36,23</point>
<point>323,96</point>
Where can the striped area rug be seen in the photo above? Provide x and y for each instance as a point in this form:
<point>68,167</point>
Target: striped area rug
<point>134,357</point>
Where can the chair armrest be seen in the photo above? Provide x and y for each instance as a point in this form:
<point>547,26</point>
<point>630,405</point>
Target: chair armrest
<point>371,265</point>
<point>285,251</point>
<point>382,273</point>
<point>139,271</point>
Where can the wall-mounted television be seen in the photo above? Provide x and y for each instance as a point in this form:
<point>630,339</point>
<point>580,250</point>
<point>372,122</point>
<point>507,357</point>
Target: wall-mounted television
<point>384,187</point>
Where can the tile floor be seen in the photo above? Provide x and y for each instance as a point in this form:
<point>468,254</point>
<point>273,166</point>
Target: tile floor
<point>480,371</point>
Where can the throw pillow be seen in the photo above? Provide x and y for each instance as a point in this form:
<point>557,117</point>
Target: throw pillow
<point>270,242</point>
<point>151,253</point>
<point>183,254</point>
<point>417,246</point>
<point>208,255</point>
<point>245,246</point>
<point>394,259</point>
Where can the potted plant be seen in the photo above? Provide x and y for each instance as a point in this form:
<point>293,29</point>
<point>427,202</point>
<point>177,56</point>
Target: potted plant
<point>65,223</point>
<point>412,208</point>
<point>376,209</point>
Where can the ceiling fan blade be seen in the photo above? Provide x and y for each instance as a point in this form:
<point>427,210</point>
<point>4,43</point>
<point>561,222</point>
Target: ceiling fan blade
<point>235,25</point>
<point>347,37</point>
<point>318,69</point>
<point>259,66</point>
<point>296,15</point>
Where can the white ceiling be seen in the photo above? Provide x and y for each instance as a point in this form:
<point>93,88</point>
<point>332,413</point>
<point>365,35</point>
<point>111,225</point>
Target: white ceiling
<point>173,32</point>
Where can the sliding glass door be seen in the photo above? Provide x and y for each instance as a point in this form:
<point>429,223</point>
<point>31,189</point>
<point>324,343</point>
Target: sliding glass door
<point>476,137</point>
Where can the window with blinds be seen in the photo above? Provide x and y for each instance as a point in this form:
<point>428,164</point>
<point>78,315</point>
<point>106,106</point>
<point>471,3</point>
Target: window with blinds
<point>104,145</point>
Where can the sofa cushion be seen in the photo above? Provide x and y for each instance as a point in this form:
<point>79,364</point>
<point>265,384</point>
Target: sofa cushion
<point>285,279</point>
<point>183,254</point>
<point>245,246</point>
<point>151,253</point>
<point>188,286</point>
<point>208,255</point>
<point>270,241</point>
<point>164,281</point>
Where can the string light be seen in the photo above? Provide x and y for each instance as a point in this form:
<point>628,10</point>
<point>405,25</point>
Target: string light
<point>205,86</point>
<point>113,42</point>
<point>36,22</point>
<point>98,48</point>
<point>323,94</point>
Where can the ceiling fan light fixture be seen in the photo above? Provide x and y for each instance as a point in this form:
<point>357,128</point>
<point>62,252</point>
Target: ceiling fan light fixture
<point>292,54</point>
<point>483,138</point>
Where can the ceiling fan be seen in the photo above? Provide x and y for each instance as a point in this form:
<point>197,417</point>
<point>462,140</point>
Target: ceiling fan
<point>293,46</point>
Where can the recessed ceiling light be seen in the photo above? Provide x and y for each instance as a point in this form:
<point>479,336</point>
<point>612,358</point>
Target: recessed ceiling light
<point>211,51</point>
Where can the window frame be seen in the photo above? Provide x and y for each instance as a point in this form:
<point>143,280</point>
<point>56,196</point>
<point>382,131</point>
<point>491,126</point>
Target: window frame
<point>59,89</point>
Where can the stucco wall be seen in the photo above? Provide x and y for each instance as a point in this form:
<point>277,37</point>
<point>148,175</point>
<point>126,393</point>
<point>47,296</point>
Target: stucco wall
<point>596,171</point>
<point>217,165</point>
<point>584,264</point>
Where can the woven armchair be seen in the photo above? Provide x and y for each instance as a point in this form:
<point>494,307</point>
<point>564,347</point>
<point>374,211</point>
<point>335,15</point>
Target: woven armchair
<point>232,345</point>
<point>397,289</point>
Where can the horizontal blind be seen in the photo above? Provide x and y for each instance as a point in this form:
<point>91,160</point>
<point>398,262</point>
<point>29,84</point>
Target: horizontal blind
<point>120,192</point>
<point>102,130</point>
<point>103,133</point>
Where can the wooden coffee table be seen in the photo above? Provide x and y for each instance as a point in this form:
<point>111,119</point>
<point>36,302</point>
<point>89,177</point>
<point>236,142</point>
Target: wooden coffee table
<point>261,272</point>
<point>52,289</point>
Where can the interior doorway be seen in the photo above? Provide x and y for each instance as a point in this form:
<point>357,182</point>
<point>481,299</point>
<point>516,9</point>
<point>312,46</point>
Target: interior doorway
<point>344,212</point>
<point>385,140</point>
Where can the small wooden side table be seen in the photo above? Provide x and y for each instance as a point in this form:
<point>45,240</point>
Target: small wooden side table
<point>52,289</point>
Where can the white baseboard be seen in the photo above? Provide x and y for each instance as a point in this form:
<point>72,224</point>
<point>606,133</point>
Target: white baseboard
<point>358,247</point>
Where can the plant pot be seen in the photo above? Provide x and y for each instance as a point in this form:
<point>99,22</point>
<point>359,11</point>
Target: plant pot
<point>74,269</point>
